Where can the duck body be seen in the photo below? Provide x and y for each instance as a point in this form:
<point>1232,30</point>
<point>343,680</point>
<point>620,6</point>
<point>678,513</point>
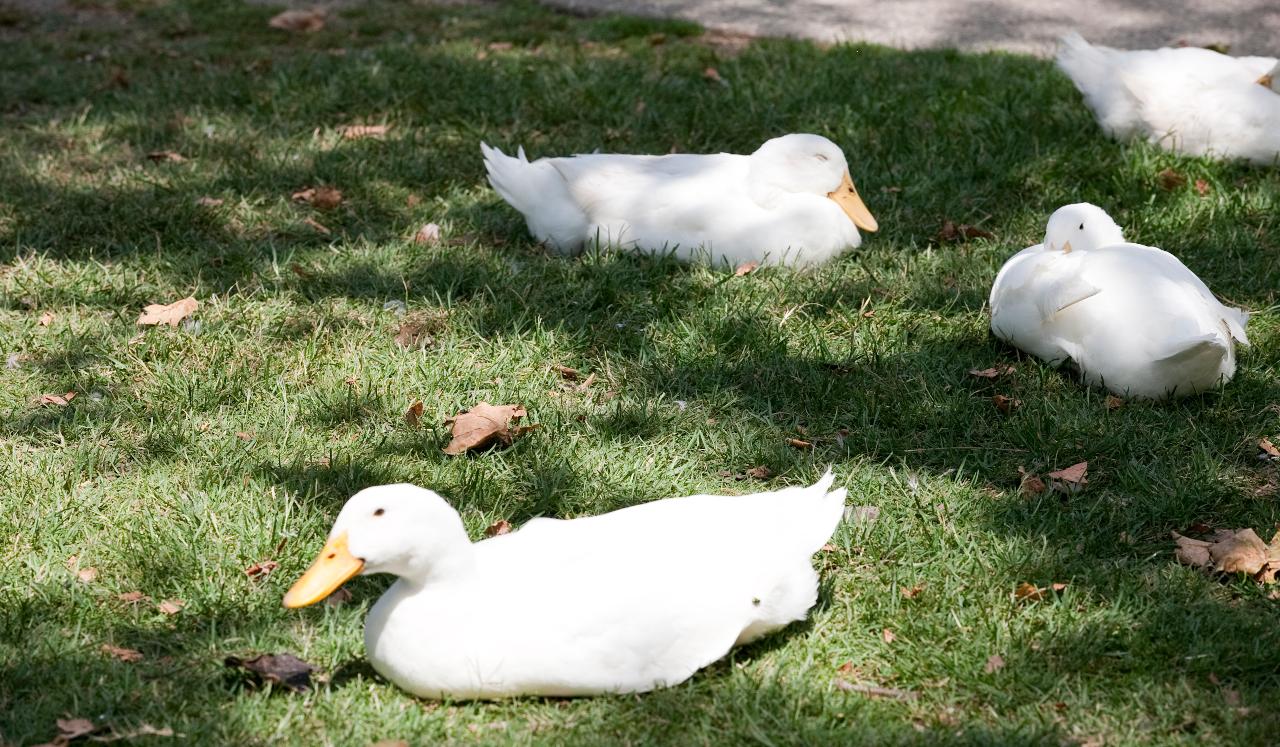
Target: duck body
<point>1185,99</point>
<point>1130,317</point>
<point>627,601</point>
<point>791,202</point>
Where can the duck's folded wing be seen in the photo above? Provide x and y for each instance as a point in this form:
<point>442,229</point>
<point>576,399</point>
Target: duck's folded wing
<point>1064,294</point>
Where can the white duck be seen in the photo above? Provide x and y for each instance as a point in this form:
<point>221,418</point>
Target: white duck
<point>792,202</point>
<point>1130,317</point>
<point>1186,99</point>
<point>627,601</point>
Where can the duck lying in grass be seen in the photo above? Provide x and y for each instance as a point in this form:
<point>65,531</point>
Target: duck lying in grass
<point>1131,318</point>
<point>1187,99</point>
<point>628,601</point>
<point>792,202</point>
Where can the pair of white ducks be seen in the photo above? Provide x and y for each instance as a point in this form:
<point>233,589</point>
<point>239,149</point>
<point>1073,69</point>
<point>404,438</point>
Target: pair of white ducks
<point>644,597</point>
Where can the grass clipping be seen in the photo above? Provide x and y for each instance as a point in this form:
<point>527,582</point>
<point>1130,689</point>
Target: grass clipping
<point>1232,551</point>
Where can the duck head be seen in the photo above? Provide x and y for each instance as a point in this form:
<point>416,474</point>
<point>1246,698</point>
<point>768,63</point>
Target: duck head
<point>1271,79</point>
<point>809,164</point>
<point>1080,226</point>
<point>400,529</point>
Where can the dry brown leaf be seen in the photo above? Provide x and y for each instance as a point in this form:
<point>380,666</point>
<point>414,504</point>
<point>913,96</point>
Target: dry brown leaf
<point>888,636</point>
<point>799,443</point>
<point>1191,552</point>
<point>713,75</point>
<point>1026,592</point>
<point>413,414</point>
<point>991,373</point>
<point>298,20</point>
<point>59,400</point>
<point>913,592</point>
<point>570,374</point>
<point>995,663</point>
<point>1169,180</point>
<point>46,319</point>
<point>876,691</point>
<point>1114,402</point>
<point>284,669</point>
<point>1005,404</point>
<point>210,202</point>
<point>845,668</point>
<point>87,575</point>
<point>414,334</point>
<point>244,435</point>
<point>499,527</point>
<point>73,728</point>
<point>1072,479</point>
<point>759,473</point>
<point>171,314</point>
<point>428,234</point>
<point>166,156</point>
<point>359,132</point>
<point>261,569</point>
<point>1202,187</point>
<point>171,606</point>
<point>323,198</point>
<point>1269,448</point>
<point>951,231</point>
<point>317,225</point>
<point>1241,552</point>
<point>1029,484</point>
<point>482,425</point>
<point>339,597</point>
<point>123,654</point>
<point>745,268</point>
<point>131,597</point>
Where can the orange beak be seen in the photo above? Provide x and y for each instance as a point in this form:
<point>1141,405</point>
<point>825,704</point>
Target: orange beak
<point>331,569</point>
<point>1266,80</point>
<point>847,198</point>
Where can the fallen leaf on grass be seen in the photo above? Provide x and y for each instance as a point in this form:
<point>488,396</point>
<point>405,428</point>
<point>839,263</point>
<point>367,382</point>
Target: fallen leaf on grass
<point>950,232</point>
<point>298,20</point>
<point>166,156</point>
<point>261,569</point>
<point>799,443</point>
<point>414,334</point>
<point>1026,592</point>
<point>60,400</point>
<point>1070,480</point>
<point>888,636</point>
<point>413,414</point>
<point>482,425</point>
<point>171,606</point>
<point>73,728</point>
<point>499,527</point>
<point>1269,450</point>
<point>876,691</point>
<point>759,473</point>
<point>1232,551</point>
<point>1005,404</point>
<point>913,592</point>
<point>132,597</point>
<point>318,226</point>
<point>994,372</point>
<point>210,202</point>
<point>323,198</point>
<point>46,319</point>
<point>244,435</point>
<point>1114,402</point>
<point>1202,187</point>
<point>127,655</point>
<point>569,374</point>
<point>283,669</point>
<point>359,132</point>
<point>171,314</point>
<point>87,575</point>
<point>428,234</point>
<point>713,75</point>
<point>1029,484</point>
<point>1169,180</point>
<point>745,268</point>
<point>995,663</point>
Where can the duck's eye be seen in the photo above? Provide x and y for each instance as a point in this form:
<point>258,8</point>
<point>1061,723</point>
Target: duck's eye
<point>379,512</point>
<point>1081,226</point>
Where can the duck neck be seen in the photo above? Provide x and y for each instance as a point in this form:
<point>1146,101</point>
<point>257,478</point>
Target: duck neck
<point>449,561</point>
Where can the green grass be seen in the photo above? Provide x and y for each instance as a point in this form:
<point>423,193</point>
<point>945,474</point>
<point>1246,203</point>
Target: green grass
<point>143,476</point>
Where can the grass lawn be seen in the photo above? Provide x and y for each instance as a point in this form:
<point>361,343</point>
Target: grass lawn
<point>193,452</point>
